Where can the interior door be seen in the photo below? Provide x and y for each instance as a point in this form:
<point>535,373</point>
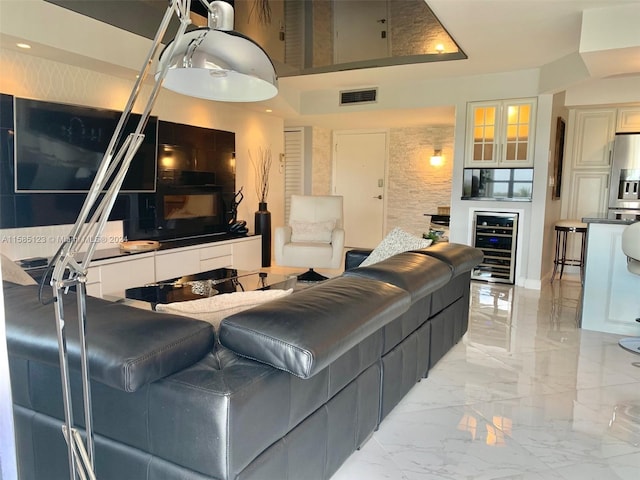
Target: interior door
<point>360,30</point>
<point>359,176</point>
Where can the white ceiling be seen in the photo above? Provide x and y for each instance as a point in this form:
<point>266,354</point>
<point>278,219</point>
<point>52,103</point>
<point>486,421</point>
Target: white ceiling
<point>497,36</point>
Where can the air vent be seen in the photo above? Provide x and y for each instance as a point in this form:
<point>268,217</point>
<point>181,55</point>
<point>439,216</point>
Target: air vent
<point>351,97</point>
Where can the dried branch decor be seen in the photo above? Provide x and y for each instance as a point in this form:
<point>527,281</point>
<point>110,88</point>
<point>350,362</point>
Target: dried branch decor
<point>262,167</point>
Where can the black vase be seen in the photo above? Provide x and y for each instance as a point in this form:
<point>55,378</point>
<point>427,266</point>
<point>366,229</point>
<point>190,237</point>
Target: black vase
<point>262,226</point>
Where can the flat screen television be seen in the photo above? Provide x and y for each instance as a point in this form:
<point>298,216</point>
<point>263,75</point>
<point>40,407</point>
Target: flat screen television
<point>58,147</point>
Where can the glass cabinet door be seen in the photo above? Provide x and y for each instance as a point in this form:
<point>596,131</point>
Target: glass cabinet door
<point>500,134</point>
<point>519,125</point>
<point>483,147</point>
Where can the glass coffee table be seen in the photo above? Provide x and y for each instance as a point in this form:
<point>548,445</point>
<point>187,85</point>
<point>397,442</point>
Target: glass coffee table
<point>207,284</point>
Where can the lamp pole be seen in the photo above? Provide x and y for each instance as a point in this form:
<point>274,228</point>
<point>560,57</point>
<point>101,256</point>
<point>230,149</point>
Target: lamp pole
<point>208,52</point>
<point>68,273</point>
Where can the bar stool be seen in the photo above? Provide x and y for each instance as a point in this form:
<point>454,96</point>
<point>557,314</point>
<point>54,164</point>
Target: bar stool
<point>563,228</point>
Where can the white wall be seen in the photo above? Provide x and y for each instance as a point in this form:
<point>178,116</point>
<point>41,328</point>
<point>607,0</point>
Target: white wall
<point>607,91</point>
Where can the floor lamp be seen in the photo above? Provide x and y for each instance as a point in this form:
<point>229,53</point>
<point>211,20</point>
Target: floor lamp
<point>212,63</point>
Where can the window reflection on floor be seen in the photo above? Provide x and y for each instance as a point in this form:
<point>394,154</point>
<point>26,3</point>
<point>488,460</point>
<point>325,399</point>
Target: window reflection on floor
<point>498,309</point>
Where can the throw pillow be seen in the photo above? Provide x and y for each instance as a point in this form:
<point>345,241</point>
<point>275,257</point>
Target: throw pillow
<point>11,272</point>
<point>396,241</point>
<point>215,309</point>
<point>312,231</point>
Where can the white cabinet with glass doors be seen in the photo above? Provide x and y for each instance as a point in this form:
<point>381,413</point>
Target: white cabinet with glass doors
<point>500,133</point>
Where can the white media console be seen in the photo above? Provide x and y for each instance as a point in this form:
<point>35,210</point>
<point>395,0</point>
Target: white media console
<point>110,277</point>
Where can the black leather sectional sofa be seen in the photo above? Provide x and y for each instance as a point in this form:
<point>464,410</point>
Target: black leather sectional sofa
<point>286,390</point>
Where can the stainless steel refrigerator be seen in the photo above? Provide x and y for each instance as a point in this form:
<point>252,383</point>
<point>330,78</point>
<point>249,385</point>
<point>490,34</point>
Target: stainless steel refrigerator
<point>624,188</point>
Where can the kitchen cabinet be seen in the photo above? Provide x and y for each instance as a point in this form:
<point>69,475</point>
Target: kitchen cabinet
<point>589,148</point>
<point>590,195</point>
<point>628,120</point>
<point>593,134</point>
<point>587,166</point>
<point>500,133</point>
<point>588,151</point>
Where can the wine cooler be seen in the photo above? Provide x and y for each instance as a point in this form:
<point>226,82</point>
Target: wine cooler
<point>495,233</point>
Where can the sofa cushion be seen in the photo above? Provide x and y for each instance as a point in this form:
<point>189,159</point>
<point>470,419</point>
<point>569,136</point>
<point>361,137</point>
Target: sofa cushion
<point>305,332</point>
<point>127,347</point>
<point>418,274</point>
<point>460,258</point>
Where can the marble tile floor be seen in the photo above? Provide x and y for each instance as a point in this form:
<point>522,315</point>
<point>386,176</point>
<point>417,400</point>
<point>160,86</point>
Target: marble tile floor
<point>525,394</point>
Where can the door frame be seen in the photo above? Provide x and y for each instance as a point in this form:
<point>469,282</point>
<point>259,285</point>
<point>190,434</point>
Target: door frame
<point>334,170</point>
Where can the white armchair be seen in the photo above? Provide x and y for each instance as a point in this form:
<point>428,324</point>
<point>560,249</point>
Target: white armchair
<point>314,237</point>
<point>631,248</point>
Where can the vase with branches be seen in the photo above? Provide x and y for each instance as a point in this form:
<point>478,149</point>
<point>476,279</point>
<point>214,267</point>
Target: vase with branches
<point>262,222</point>
<point>261,167</point>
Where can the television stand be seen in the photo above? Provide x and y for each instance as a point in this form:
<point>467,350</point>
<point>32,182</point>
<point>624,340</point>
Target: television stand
<point>112,275</point>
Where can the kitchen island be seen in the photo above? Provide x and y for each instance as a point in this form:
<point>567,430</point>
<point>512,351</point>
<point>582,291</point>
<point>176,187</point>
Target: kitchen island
<point>611,294</point>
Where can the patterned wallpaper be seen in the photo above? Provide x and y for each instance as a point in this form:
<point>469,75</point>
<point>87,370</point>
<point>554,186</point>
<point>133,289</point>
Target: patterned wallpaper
<point>34,77</point>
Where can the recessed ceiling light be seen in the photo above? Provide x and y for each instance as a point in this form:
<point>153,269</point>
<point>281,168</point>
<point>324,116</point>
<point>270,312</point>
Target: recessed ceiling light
<point>26,46</point>
<point>268,110</point>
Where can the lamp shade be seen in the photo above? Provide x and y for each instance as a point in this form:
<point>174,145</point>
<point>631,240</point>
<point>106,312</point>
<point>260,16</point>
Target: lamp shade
<point>219,65</point>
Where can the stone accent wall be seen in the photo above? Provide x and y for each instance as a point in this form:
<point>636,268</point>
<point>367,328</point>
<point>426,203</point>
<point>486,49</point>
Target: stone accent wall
<point>322,34</point>
<point>415,30</point>
<point>322,163</point>
<point>414,186</point>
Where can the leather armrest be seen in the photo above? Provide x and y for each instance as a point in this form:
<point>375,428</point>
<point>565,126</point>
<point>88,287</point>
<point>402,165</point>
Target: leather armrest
<point>127,347</point>
<point>355,257</point>
<point>281,236</point>
<point>460,258</point>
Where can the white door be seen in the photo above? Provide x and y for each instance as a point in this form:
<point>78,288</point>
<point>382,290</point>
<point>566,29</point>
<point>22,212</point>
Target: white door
<point>359,176</point>
<point>360,30</point>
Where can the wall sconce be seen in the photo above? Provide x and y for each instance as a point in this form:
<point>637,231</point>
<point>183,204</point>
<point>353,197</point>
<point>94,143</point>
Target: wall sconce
<point>232,162</point>
<point>437,159</point>
<point>439,48</point>
<point>167,159</point>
